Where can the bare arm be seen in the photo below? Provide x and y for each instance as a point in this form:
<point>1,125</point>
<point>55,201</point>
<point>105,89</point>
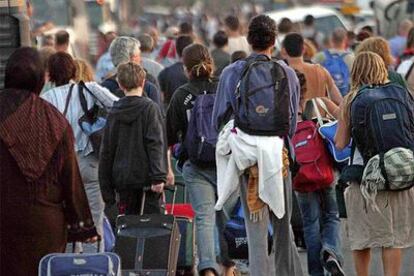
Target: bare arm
<point>343,133</point>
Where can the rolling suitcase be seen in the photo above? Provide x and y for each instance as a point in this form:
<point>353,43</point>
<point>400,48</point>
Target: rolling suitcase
<point>184,215</point>
<point>64,264</point>
<point>147,244</point>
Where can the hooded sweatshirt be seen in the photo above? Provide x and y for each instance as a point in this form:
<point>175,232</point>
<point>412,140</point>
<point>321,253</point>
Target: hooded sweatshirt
<point>134,151</point>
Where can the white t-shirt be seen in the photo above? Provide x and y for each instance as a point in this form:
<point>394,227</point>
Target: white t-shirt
<point>238,44</point>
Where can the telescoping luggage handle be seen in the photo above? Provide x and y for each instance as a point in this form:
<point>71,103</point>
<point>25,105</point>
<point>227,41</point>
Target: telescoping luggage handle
<point>98,245</point>
<point>169,188</point>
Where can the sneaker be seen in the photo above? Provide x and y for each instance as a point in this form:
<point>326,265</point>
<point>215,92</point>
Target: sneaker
<point>333,266</point>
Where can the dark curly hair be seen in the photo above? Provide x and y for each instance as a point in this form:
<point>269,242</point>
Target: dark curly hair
<point>62,68</point>
<point>262,32</point>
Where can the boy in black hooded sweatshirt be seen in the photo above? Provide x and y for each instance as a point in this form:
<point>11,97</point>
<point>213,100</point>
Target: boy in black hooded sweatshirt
<point>134,151</point>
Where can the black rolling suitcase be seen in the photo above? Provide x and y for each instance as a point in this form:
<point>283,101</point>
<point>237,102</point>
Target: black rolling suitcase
<point>147,244</point>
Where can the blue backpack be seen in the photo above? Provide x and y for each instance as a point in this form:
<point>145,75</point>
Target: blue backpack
<point>263,98</point>
<point>382,119</point>
<point>338,69</point>
<point>201,137</point>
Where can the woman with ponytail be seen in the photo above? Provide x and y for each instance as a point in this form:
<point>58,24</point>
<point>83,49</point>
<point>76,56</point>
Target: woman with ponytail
<point>199,177</point>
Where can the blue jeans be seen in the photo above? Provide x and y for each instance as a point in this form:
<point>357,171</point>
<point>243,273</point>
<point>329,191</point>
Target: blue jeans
<point>321,227</point>
<point>202,189</point>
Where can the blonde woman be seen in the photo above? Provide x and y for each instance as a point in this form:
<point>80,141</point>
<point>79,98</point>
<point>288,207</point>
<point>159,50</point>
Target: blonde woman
<point>84,71</point>
<point>389,227</point>
<point>381,47</point>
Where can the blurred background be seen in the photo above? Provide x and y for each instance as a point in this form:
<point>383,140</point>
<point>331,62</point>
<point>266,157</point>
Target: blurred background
<point>89,22</point>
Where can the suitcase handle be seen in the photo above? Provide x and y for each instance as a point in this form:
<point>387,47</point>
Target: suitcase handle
<point>97,250</point>
<point>146,189</point>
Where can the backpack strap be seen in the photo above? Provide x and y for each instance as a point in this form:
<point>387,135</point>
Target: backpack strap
<point>65,111</point>
<point>409,70</point>
<point>82,98</point>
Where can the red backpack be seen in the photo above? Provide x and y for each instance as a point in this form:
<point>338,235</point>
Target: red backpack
<point>315,163</point>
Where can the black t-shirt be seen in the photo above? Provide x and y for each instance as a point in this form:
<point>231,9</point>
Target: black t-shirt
<point>179,110</point>
<point>170,79</point>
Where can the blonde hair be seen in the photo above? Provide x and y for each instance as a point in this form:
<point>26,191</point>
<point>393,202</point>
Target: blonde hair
<point>368,69</point>
<point>309,50</point>
<point>379,46</point>
<point>130,75</point>
<point>84,71</point>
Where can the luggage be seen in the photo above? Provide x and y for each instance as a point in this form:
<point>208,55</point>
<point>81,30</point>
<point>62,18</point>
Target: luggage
<point>64,264</point>
<point>236,236</point>
<point>382,121</point>
<point>315,163</point>
<point>184,215</point>
<point>148,244</point>
<point>263,98</point>
<point>201,137</point>
<point>337,68</point>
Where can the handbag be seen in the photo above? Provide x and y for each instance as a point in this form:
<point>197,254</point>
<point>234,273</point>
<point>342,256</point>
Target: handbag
<point>93,121</point>
<point>328,130</point>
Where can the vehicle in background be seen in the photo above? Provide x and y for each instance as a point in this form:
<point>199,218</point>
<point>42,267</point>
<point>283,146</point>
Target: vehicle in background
<point>326,19</point>
<point>389,13</point>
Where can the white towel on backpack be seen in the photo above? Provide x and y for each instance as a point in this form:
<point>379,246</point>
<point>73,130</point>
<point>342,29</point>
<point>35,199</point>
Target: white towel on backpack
<point>237,151</point>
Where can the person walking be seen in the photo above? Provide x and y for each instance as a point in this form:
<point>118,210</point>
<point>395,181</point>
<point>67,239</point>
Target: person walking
<point>381,47</point>
<point>237,42</point>
<point>220,57</point>
<point>42,199</point>
<point>398,42</point>
<point>389,227</point>
<point>134,150</point>
<point>122,50</point>
<point>66,98</point>
<point>284,259</point>
<point>199,174</point>
<point>319,209</point>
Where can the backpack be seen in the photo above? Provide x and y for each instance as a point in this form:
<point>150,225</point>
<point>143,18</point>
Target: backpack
<point>93,120</point>
<point>315,165</point>
<point>338,69</point>
<point>382,119</point>
<point>201,137</point>
<point>263,98</point>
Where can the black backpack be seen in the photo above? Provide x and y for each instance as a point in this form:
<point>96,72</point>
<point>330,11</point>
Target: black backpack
<point>263,98</point>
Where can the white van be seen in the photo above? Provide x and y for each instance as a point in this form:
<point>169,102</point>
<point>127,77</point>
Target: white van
<point>326,20</point>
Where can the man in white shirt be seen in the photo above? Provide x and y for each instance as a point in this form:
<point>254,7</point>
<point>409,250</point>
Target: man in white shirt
<point>237,42</point>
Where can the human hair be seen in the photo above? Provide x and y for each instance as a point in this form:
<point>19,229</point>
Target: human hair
<point>285,26</point>
<point>379,46</point>
<point>220,39</point>
<point>84,71</point>
<point>24,70</point>
<point>339,35</point>
<point>62,38</point>
<point>130,76</point>
<point>238,55</point>
<point>61,68</point>
<point>410,39</point>
<point>368,29</point>
<point>147,43</point>
<point>262,32</point>
<point>45,53</point>
<point>123,48</point>
<point>309,50</point>
<point>362,35</point>
<point>232,22</point>
<point>294,44</point>
<point>198,62</point>
<point>309,20</point>
<point>185,28</point>
<point>368,69</point>
<point>182,42</point>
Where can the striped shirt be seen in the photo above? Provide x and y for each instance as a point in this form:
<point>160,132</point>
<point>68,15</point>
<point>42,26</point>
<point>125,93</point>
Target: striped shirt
<point>57,96</point>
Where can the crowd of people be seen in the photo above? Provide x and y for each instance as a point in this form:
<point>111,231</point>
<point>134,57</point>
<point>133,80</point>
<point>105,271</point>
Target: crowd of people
<point>185,101</point>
